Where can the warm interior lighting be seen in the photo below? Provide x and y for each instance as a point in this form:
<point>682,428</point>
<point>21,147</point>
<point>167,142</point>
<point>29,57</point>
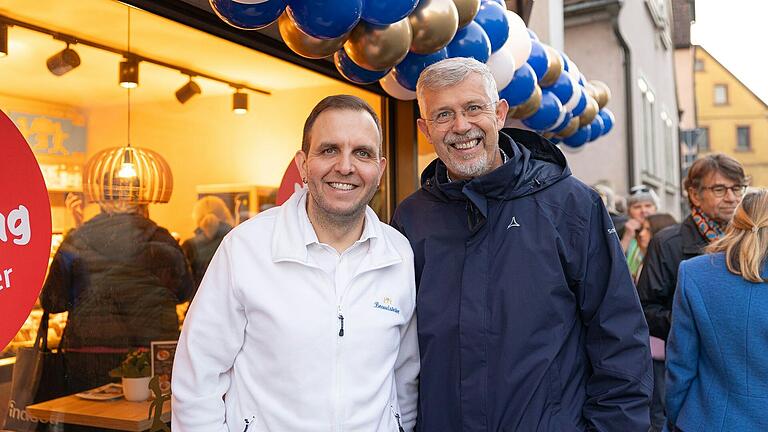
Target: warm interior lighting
<point>129,73</point>
<point>187,91</point>
<point>239,103</point>
<point>63,61</point>
<point>3,40</point>
<point>127,168</point>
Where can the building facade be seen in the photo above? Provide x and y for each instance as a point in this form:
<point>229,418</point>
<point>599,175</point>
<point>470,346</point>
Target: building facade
<point>628,45</point>
<point>732,119</point>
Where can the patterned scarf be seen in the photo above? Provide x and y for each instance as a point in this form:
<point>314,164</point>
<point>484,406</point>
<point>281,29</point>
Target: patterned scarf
<point>709,228</point>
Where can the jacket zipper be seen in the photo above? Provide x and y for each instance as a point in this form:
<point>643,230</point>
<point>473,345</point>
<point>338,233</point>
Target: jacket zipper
<point>341,321</point>
<point>340,316</point>
<point>397,418</point>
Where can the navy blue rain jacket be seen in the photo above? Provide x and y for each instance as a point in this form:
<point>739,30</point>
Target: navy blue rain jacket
<point>528,318</point>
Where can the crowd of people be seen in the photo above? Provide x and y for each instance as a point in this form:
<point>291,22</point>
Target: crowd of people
<point>543,304</point>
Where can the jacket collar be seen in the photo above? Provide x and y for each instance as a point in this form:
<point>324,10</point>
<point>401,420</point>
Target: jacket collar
<point>293,233</point>
<point>691,239</point>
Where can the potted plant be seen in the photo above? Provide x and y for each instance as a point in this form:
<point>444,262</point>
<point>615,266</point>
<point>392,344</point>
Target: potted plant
<point>135,371</point>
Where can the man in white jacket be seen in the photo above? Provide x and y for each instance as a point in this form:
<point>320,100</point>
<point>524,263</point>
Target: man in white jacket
<point>305,318</point>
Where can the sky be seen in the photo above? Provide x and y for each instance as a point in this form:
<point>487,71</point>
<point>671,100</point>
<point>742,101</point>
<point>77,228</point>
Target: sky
<point>735,33</point>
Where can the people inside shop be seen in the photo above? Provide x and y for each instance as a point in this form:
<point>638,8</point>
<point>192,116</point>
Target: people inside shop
<point>717,357</point>
<point>715,185</point>
<point>119,276</point>
<point>641,203</point>
<point>305,319</point>
<point>651,225</point>
<point>213,221</point>
<point>528,318</point>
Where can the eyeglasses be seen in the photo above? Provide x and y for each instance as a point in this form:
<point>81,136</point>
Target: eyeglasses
<point>720,190</point>
<point>444,119</point>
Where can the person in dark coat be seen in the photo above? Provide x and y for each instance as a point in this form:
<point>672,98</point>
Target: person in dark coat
<point>213,221</point>
<point>715,184</point>
<point>528,319</point>
<point>119,276</point>
<point>717,356</point>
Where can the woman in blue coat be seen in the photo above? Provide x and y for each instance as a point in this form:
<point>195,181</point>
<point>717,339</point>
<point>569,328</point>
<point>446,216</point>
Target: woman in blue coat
<point>717,353</point>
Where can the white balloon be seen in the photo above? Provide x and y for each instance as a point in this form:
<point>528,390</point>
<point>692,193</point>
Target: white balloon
<point>519,42</point>
<point>574,100</point>
<point>574,70</point>
<point>502,66</point>
<point>394,89</point>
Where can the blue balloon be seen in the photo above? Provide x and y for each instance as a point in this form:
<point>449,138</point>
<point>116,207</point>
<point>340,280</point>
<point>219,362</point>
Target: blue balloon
<point>581,80</point>
<point>493,20</point>
<point>595,128</point>
<point>501,2</point>
<point>582,105</point>
<point>562,88</point>
<point>387,12</point>
<point>325,19</point>
<point>522,86</point>
<point>555,140</point>
<point>351,71</point>
<point>470,41</point>
<point>408,71</point>
<point>579,138</point>
<point>533,35</point>
<point>538,59</point>
<point>547,114</point>
<point>248,16</point>
<point>567,119</point>
<point>566,60</point>
<point>608,119</point>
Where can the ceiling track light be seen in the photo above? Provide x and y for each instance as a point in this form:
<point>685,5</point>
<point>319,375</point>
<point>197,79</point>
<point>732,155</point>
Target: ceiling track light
<point>63,61</point>
<point>128,67</point>
<point>187,91</point>
<point>129,73</point>
<point>239,102</point>
<point>3,39</point>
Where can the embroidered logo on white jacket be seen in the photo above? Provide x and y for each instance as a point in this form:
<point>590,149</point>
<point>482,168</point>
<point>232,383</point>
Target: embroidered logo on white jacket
<point>386,304</point>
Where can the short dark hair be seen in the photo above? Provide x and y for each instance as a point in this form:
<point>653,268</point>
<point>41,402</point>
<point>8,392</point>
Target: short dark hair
<point>338,102</point>
<point>711,163</point>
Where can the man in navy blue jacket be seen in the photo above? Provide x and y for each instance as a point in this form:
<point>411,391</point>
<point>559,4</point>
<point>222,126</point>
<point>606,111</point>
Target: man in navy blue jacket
<point>528,319</point>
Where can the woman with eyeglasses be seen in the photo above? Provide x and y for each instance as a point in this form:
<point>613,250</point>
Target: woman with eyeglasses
<point>717,351</point>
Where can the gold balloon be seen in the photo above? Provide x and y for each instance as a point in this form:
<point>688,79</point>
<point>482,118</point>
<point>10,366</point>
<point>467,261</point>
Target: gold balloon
<point>304,44</point>
<point>555,68</point>
<point>571,129</point>
<point>589,112</point>
<point>379,47</point>
<point>591,90</point>
<point>434,24</point>
<point>603,92</point>
<point>529,107</point>
<point>467,10</point>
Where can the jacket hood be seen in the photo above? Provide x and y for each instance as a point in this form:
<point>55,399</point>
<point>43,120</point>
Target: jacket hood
<point>117,235</point>
<point>534,164</point>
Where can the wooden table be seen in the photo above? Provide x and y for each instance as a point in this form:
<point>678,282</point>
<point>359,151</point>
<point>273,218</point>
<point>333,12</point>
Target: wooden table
<point>112,414</point>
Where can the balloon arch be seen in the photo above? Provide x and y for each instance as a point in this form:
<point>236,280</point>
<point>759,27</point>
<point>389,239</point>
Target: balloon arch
<point>393,41</point>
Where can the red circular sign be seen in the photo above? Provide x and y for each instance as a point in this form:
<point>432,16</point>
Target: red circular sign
<point>25,230</point>
<point>291,180</point>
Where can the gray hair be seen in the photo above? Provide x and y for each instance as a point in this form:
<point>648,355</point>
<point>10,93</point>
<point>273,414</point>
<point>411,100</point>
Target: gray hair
<point>450,72</point>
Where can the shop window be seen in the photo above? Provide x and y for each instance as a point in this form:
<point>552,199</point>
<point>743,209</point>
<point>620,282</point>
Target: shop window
<point>189,121</point>
<point>743,138</point>
<point>721,94</point>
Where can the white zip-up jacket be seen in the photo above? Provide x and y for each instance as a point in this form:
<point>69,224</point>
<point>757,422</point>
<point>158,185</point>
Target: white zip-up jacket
<point>261,348</point>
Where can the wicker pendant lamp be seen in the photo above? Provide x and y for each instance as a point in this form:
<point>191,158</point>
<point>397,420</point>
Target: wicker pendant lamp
<point>129,174</point>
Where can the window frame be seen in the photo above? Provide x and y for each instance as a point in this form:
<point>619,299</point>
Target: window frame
<point>739,147</point>
<point>714,95</point>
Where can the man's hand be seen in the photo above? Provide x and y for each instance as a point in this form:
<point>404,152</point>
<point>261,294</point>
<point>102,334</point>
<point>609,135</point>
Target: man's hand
<point>631,228</point>
<point>75,206</point>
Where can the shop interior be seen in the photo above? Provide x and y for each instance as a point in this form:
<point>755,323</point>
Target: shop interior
<point>71,107</point>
